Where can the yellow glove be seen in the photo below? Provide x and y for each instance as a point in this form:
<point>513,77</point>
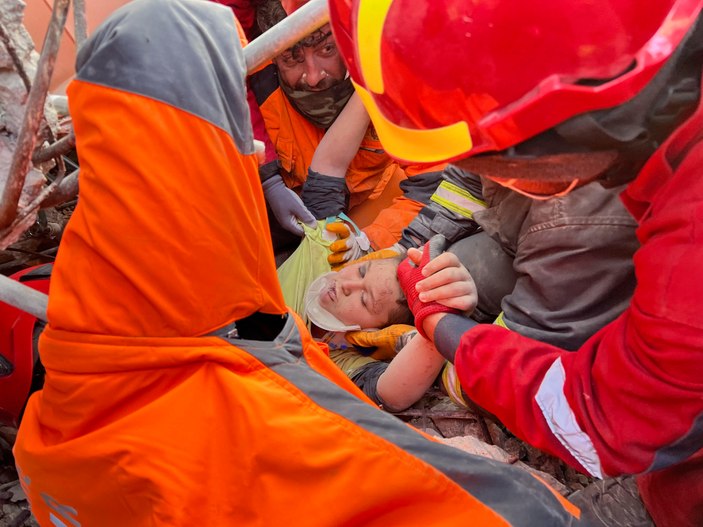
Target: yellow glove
<point>452,386</point>
<point>349,245</point>
<point>382,344</point>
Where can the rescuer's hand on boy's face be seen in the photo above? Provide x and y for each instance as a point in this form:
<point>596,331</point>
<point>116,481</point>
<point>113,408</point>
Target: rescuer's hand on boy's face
<point>447,282</point>
<point>411,271</point>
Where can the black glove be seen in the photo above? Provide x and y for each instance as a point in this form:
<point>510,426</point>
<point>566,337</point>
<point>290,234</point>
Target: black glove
<point>325,196</point>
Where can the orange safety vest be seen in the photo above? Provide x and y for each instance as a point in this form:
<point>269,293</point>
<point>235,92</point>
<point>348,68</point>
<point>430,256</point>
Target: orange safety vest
<point>295,139</point>
<point>153,412</point>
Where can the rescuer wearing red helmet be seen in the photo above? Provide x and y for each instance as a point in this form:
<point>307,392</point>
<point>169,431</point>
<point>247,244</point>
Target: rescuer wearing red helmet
<point>480,84</point>
<point>179,388</point>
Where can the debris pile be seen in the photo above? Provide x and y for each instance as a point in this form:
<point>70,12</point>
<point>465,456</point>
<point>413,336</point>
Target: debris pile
<point>30,234</point>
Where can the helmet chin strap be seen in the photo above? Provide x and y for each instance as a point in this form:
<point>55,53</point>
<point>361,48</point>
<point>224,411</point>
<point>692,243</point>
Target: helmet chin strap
<point>542,177</point>
<point>514,185</point>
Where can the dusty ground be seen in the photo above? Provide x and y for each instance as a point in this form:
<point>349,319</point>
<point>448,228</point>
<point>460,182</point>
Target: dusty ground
<point>14,509</point>
<point>464,429</point>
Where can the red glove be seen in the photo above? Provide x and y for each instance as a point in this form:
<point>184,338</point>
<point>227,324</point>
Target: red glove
<point>409,275</point>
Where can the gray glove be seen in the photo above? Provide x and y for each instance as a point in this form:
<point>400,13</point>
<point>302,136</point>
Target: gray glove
<point>286,205</point>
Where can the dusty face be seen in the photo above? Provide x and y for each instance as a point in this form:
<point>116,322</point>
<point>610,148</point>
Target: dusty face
<point>314,65</point>
<point>364,294</point>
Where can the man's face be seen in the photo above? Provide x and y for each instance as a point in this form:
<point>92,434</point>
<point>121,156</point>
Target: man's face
<point>363,294</point>
<point>314,64</point>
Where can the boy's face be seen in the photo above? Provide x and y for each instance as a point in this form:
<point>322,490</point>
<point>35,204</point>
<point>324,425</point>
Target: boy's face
<point>364,294</point>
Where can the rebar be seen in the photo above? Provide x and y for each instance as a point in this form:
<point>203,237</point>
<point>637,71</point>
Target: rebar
<point>42,196</point>
<point>61,147</point>
<point>10,47</point>
<point>79,21</point>
<point>286,33</point>
<point>65,190</point>
<point>33,115</point>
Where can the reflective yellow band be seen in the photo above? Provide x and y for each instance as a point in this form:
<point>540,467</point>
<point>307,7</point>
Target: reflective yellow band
<point>457,199</point>
<point>371,18</point>
<point>420,146</point>
<point>500,322</point>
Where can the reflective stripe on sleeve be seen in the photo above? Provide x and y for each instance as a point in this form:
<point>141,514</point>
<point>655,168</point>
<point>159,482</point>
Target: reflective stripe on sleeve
<point>457,199</point>
<point>562,421</point>
<point>499,321</point>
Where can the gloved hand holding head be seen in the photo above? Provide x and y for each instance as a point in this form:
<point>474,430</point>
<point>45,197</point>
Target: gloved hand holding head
<point>381,344</point>
<point>435,281</point>
<point>440,89</point>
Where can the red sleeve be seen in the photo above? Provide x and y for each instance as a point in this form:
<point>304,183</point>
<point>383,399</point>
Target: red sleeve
<point>631,398</point>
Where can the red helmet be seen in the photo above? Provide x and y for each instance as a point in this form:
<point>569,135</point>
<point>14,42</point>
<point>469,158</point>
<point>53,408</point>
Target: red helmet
<point>442,77</point>
<point>20,369</point>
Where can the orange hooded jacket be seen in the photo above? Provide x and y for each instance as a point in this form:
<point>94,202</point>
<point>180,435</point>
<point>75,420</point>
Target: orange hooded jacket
<point>155,410</point>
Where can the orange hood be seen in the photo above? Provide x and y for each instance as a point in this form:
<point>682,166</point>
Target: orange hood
<point>168,182</point>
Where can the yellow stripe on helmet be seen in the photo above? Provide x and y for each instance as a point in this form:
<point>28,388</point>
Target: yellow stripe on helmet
<point>369,33</point>
<point>423,146</point>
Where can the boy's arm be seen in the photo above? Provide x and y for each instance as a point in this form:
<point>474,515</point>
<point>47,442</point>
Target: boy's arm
<point>408,376</point>
<point>397,384</point>
<point>325,191</point>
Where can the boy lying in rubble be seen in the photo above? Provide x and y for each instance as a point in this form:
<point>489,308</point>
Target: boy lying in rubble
<point>346,306</point>
<point>365,295</point>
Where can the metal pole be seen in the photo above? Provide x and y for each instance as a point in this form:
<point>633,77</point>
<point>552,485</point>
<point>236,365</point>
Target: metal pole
<point>23,297</point>
<point>79,22</point>
<point>33,115</point>
<point>65,190</point>
<point>56,149</point>
<point>286,33</point>
<point>10,47</point>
